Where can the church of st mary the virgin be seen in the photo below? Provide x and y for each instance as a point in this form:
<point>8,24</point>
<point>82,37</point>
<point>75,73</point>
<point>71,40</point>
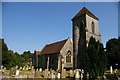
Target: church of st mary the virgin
<point>66,54</point>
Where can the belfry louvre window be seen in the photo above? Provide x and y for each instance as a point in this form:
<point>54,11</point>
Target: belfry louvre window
<point>68,57</point>
<point>93,27</point>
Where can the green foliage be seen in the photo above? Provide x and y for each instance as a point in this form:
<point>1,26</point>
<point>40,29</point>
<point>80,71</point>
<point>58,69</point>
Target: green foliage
<point>41,61</point>
<point>26,55</point>
<point>11,59</point>
<point>113,52</point>
<point>95,59</point>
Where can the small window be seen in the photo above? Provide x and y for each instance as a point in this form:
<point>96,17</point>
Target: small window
<point>93,27</point>
<point>68,57</point>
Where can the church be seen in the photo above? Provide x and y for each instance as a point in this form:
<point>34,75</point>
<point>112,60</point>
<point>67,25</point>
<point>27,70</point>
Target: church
<point>66,54</point>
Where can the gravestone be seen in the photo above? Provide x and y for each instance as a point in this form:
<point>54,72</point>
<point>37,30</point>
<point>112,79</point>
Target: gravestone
<point>40,70</point>
<point>53,74</point>
<point>32,67</point>
<point>111,69</point>
<point>17,72</point>
<point>29,68</point>
<point>79,70</point>
<point>36,73</point>
<point>82,74</point>
<point>11,71</point>
<point>26,68</point>
<point>5,68</point>
<point>82,71</point>
<point>71,73</point>
<point>58,75</point>
<point>77,74</point>
<point>46,73</point>
<point>115,71</point>
<point>63,73</point>
<point>2,70</point>
<point>50,75</point>
<point>87,76</point>
<point>23,68</point>
<point>20,68</point>
<point>33,71</point>
<point>16,67</point>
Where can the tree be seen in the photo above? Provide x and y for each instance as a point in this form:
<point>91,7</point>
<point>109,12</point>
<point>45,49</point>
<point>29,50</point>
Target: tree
<point>94,60</point>
<point>113,52</point>
<point>11,59</point>
<point>26,55</point>
<point>6,56</point>
<point>41,61</point>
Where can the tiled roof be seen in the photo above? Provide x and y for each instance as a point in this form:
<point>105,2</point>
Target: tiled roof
<point>85,11</point>
<point>53,48</point>
<point>37,52</point>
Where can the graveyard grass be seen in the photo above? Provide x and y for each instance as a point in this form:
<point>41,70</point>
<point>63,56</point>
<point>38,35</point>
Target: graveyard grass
<point>25,72</point>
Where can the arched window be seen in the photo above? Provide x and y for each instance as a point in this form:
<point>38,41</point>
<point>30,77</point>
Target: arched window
<point>93,27</point>
<point>68,57</point>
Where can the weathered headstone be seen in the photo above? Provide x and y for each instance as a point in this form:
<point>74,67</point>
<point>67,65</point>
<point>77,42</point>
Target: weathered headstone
<point>29,68</point>
<point>71,73</point>
<point>79,69</point>
<point>36,73</point>
<point>82,72</point>
<point>17,72</point>
<point>77,74</point>
<point>20,68</point>
<point>23,68</point>
<point>63,73</point>
<point>11,72</point>
<point>26,68</point>
<point>46,73</point>
<point>81,76</point>
<point>5,68</point>
<point>16,67</point>
<point>2,70</point>
<point>111,69</point>
<point>87,76</point>
<point>32,67</point>
<point>53,74</point>
<point>33,71</point>
<point>115,71</point>
<point>58,75</point>
<point>40,70</point>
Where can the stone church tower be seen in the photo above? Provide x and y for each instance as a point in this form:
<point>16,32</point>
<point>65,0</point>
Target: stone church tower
<point>85,25</point>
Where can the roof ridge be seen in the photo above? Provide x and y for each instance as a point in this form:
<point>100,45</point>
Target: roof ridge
<point>84,10</point>
<point>57,42</point>
<point>53,47</point>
